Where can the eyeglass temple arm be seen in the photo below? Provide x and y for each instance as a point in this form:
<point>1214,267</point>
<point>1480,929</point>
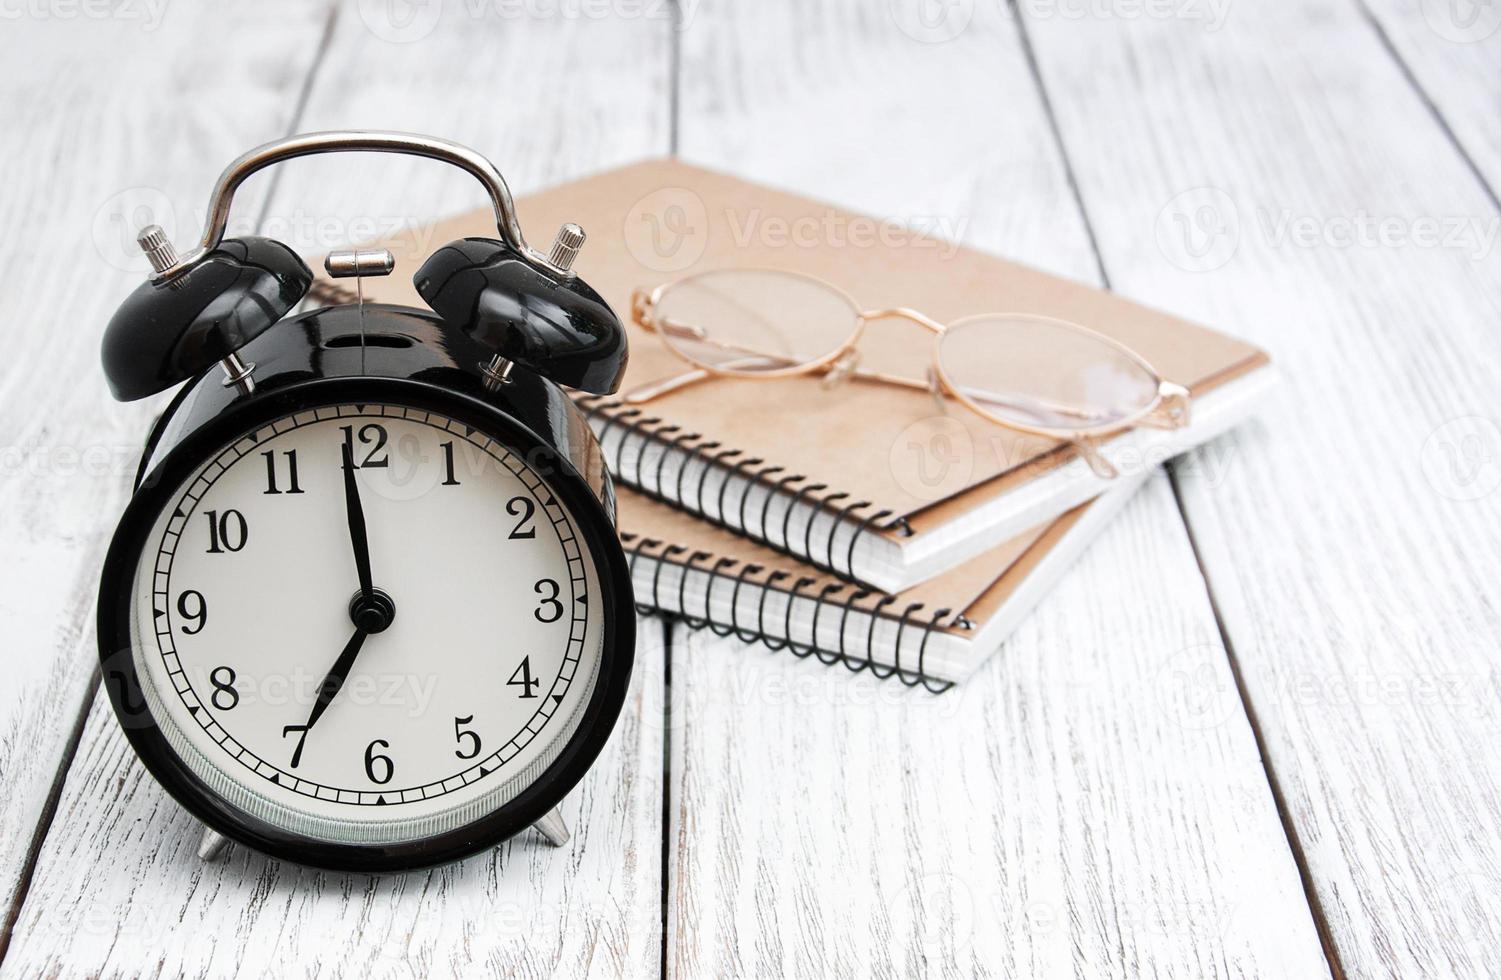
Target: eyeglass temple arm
<point>656,389</point>
<point>1089,449</point>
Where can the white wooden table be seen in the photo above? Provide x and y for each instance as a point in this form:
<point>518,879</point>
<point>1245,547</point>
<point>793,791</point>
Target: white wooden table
<point>1252,734</point>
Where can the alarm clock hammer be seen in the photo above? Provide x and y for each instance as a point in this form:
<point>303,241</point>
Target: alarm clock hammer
<point>436,446</point>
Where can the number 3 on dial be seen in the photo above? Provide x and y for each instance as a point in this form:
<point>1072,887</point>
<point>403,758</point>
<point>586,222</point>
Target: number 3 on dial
<point>551,609</point>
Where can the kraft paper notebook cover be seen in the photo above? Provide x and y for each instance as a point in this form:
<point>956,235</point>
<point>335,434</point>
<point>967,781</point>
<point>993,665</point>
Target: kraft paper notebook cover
<point>876,484</point>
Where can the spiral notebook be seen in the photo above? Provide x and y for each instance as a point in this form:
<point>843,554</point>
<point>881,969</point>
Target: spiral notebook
<point>935,634</point>
<point>875,484</point>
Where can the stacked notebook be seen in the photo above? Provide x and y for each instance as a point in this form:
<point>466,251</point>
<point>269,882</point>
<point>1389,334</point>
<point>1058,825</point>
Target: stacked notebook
<point>859,523</point>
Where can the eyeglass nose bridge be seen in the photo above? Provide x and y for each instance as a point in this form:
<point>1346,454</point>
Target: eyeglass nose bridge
<point>904,313</point>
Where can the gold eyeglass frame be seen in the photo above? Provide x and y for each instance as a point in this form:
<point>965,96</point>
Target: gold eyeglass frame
<point>1170,407</point>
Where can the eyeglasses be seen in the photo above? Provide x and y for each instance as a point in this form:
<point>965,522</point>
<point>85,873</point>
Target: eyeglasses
<point>1034,374</point>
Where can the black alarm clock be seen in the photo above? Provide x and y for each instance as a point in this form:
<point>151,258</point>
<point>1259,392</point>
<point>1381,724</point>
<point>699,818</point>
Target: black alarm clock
<point>367,609</point>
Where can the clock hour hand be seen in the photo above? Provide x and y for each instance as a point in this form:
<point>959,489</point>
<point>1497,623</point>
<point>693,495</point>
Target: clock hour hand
<point>357,534</point>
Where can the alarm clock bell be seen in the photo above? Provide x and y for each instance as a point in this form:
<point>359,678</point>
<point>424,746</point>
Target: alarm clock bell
<point>203,307</point>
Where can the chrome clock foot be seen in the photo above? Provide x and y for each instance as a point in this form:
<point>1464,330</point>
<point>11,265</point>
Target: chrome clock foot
<point>211,846</point>
<point>552,828</point>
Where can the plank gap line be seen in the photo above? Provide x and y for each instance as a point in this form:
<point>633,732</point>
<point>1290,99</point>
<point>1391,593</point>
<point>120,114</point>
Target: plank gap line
<point>674,77</point>
<point>1279,799</point>
<point>49,813</point>
<point>1289,829</point>
<point>665,625</point>
<point>1427,100</point>
<point>304,96</point>
<point>1072,179</point>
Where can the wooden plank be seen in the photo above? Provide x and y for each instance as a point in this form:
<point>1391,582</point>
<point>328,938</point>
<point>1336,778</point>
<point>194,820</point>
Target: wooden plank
<point>1453,50</point>
<point>1090,803</point>
<point>837,101</point>
<point>120,890</point>
<point>116,886</point>
<point>1354,545</point>
<point>476,77</point>
<point>1093,800</point>
<point>91,155</point>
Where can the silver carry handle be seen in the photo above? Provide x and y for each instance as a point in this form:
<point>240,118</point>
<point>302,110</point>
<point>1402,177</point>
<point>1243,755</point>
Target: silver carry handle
<point>309,144</point>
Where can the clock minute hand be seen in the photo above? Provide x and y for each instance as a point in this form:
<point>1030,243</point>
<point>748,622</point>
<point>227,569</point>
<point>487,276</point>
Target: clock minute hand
<point>357,535</point>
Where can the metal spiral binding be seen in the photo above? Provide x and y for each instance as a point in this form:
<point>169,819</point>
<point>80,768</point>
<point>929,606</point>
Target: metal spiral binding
<point>771,642</point>
<point>797,498</point>
<point>827,659</point>
<point>715,574</point>
<point>781,486</point>
<point>797,589</point>
<point>631,554</point>
<point>748,568</point>
<point>656,578</point>
<point>611,418</point>
<point>792,588</point>
<point>852,597</point>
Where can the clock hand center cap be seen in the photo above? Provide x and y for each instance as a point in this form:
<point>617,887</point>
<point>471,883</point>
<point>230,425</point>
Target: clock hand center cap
<point>373,613</point>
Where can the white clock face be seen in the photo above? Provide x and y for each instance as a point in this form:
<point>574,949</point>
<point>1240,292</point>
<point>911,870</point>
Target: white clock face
<point>355,717</point>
